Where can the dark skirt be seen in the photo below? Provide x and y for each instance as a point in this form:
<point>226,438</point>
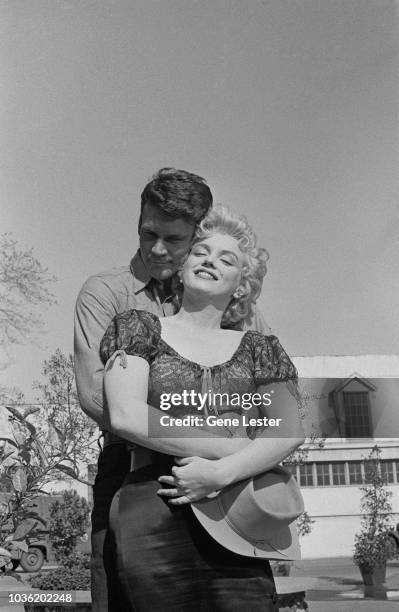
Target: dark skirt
<point>167,561</point>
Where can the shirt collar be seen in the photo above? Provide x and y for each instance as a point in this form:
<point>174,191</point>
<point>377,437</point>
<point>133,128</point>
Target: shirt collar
<point>143,280</point>
<point>140,273</point>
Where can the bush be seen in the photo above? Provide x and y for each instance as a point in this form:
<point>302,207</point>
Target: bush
<point>373,547</point>
<point>76,559</point>
<point>68,521</point>
<point>371,552</point>
<point>73,575</point>
<point>63,579</point>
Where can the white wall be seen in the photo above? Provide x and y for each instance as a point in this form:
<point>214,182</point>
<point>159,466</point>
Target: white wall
<point>336,510</point>
<point>342,366</point>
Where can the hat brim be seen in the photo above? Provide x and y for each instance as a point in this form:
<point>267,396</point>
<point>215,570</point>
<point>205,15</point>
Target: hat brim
<point>283,545</point>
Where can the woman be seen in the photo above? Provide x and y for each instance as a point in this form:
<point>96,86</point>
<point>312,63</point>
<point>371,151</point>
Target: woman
<point>166,560</point>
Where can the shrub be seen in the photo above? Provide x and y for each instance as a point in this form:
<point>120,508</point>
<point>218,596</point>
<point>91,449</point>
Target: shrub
<point>371,552</point>
<point>68,521</point>
<point>73,575</point>
<point>373,547</point>
<point>304,524</point>
<point>76,559</point>
<point>62,579</point>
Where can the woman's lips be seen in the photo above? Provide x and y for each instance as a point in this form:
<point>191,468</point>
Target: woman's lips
<point>205,274</point>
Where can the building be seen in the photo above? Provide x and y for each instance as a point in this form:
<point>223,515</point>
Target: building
<point>353,401</point>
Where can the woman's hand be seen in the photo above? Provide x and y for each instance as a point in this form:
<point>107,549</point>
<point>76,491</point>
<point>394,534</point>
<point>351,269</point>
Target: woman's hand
<point>192,479</point>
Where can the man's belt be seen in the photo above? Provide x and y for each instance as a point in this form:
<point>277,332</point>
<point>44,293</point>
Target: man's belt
<point>110,438</point>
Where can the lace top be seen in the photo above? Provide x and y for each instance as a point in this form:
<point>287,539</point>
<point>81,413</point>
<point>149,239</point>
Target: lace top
<point>258,360</point>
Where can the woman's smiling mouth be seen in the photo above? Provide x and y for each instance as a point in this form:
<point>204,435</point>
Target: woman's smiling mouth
<point>206,274</point>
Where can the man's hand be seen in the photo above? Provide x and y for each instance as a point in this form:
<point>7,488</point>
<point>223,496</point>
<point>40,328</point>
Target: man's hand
<point>192,479</point>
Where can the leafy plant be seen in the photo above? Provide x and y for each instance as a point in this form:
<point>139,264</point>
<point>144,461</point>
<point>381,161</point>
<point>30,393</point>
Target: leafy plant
<point>77,559</point>
<point>69,519</point>
<point>29,460</point>
<point>62,579</point>
<point>74,573</point>
<point>373,547</point>
<point>304,524</point>
<point>22,475</point>
<point>70,434</point>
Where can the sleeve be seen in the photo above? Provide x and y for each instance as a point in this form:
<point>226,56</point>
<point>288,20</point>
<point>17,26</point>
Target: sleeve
<point>132,332</point>
<point>271,362</point>
<point>94,309</point>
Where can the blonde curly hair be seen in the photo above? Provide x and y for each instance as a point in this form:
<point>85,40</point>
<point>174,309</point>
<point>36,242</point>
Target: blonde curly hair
<point>221,220</point>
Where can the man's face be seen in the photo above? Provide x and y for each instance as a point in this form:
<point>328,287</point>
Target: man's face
<point>164,242</point>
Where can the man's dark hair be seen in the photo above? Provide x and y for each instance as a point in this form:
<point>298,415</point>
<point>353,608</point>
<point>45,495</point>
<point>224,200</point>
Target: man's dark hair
<point>179,194</point>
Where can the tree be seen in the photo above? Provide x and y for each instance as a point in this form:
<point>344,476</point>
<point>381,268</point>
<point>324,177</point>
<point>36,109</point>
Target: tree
<point>372,545</point>
<point>68,521</point>
<point>23,292</point>
<point>32,455</point>
<point>299,456</point>
<point>70,433</point>
<point>39,444</point>
<point>24,470</point>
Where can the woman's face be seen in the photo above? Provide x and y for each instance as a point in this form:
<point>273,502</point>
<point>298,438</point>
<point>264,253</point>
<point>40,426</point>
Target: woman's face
<point>214,266</point>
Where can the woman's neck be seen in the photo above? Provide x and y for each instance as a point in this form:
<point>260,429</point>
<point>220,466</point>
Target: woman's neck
<point>207,316</point>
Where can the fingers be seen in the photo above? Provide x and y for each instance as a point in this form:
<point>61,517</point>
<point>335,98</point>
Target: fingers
<point>167,480</point>
<point>183,460</point>
<point>180,501</point>
<point>175,496</point>
<point>168,492</point>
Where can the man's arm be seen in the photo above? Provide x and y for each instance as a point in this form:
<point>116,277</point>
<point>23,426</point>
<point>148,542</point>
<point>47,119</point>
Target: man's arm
<point>95,307</point>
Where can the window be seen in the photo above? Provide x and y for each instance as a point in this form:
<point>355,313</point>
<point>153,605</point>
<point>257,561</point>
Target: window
<point>343,473</point>
<point>387,471</point>
<point>338,473</point>
<point>323,474</point>
<point>357,417</point>
<point>306,475</point>
<point>370,467</point>
<point>355,472</point>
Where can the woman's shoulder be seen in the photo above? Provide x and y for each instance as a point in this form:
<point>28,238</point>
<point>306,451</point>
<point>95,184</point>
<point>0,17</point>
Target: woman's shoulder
<point>135,320</point>
<point>134,331</point>
<point>257,339</point>
<point>270,357</point>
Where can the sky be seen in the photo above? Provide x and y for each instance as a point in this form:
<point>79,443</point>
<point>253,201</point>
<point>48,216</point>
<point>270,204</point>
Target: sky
<point>289,109</point>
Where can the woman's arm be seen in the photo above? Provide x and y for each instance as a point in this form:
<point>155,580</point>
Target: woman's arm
<point>195,478</point>
<point>126,389</point>
<point>273,443</point>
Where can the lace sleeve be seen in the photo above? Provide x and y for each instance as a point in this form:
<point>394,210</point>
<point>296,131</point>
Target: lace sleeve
<point>272,363</point>
<point>133,332</point>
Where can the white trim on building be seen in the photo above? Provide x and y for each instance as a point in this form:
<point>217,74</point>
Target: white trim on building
<point>334,507</point>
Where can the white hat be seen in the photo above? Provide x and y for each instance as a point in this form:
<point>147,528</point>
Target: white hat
<point>255,517</point>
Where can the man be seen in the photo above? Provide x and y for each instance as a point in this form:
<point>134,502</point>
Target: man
<point>172,205</point>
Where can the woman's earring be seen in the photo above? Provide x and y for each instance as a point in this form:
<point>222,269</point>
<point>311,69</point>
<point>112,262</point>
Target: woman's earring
<point>237,294</point>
